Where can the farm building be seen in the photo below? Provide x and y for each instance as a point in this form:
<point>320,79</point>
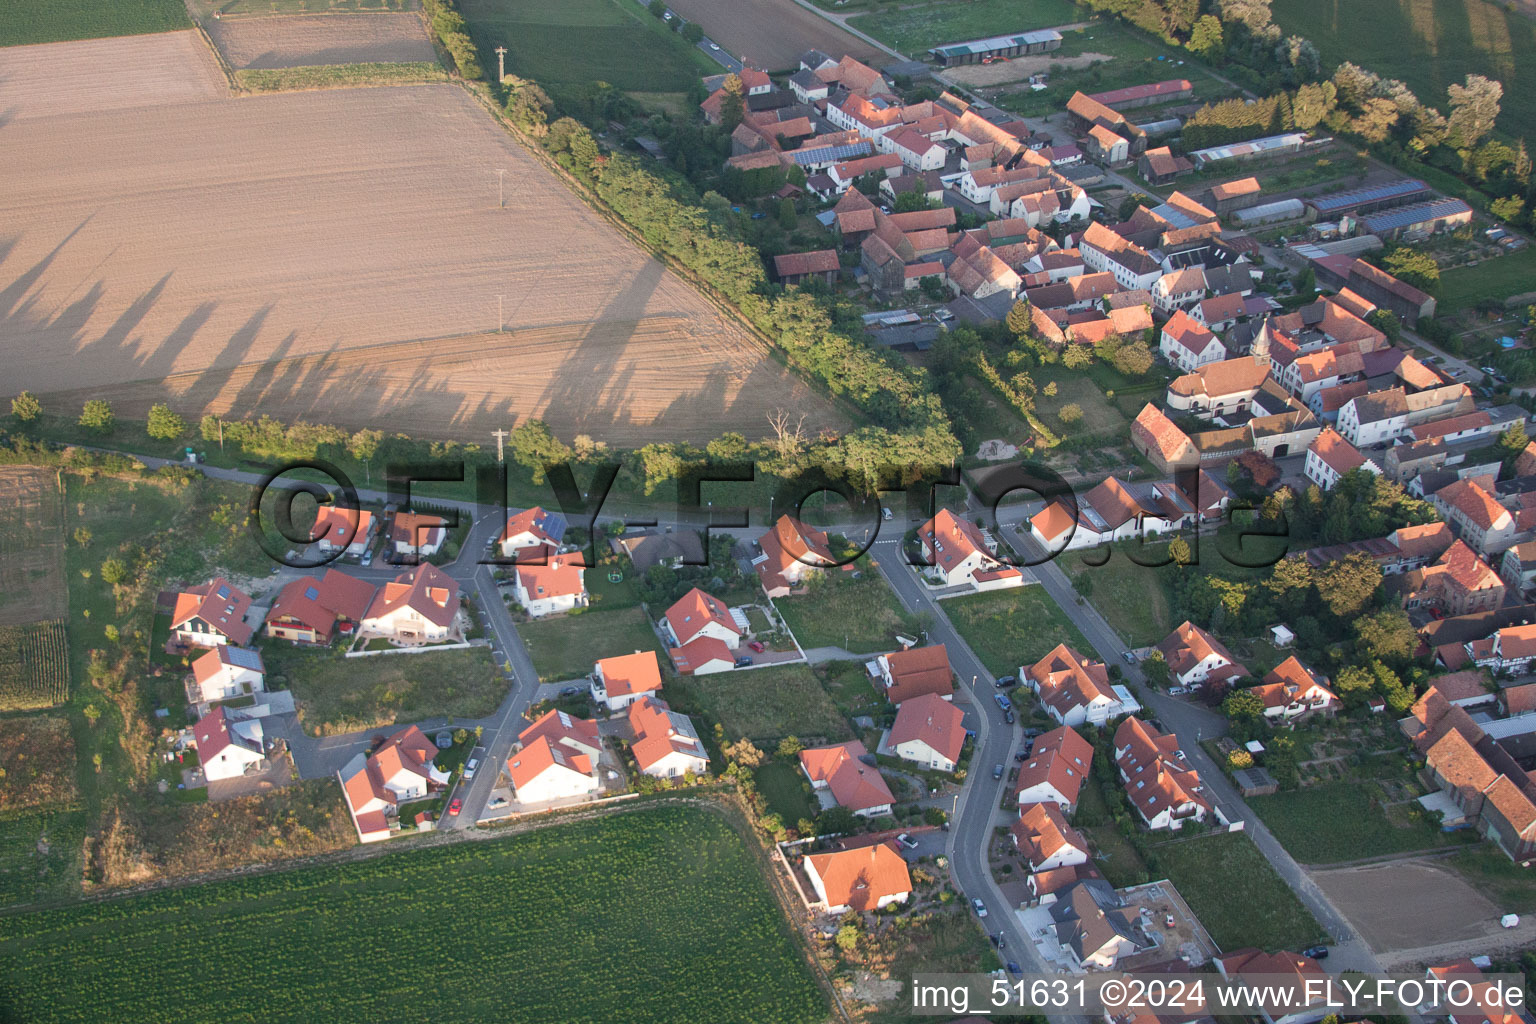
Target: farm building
<point>1272,145</point>
<point>800,267</point>
<point>1360,201</point>
<point>1231,196</point>
<point>1145,95</point>
<point>1160,166</point>
<point>1374,284</point>
<point>1270,213</point>
<point>978,51</point>
<point>1416,221</point>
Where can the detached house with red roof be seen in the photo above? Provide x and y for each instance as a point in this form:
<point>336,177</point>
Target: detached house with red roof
<point>961,556</point>
<point>415,536</point>
<point>1291,691</point>
<point>542,771</point>
<point>841,770</point>
<point>666,745</point>
<point>912,672</point>
<point>1189,345</point>
<point>702,635</point>
<point>1329,457</point>
<point>312,611</point>
<point>865,878</point>
<point>1165,790</point>
<point>788,553</point>
<point>547,583</point>
<point>229,745</point>
<point>211,614</point>
<point>1045,840</point>
<point>1274,975</point>
<point>531,528</point>
<point>228,671</point>
<point>421,605</point>
<point>929,731</point>
<point>347,530</point>
<point>1055,770</point>
<point>1197,658</point>
<point>401,770</point>
<point>1074,690</point>
<point>619,681</point>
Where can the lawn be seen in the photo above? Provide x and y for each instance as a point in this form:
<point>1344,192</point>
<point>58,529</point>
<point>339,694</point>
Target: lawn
<point>1235,892</point>
<point>337,694</point>
<point>912,30</point>
<point>578,42</point>
<point>764,704</point>
<point>1009,628</point>
<point>338,76</point>
<point>1131,597</point>
<point>1429,46</point>
<point>1342,821</point>
<point>788,794</point>
<point>528,927</point>
<point>1486,868</point>
<point>565,646</point>
<point>50,21</point>
<point>1511,274</point>
<point>1117,857</point>
<point>1099,416</point>
<point>861,615</point>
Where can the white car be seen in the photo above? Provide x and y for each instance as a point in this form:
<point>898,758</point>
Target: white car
<point>979,907</point>
<point>470,767</point>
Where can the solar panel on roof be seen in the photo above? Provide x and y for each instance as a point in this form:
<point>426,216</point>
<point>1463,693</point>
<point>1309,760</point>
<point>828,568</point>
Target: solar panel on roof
<point>1404,216</point>
<point>1372,194</point>
<point>312,593</point>
<point>243,657</point>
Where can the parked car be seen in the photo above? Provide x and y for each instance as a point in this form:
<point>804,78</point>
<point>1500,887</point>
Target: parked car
<point>470,767</point>
<point>886,514</point>
<point>745,661</point>
<point>1008,717</point>
<point>1031,733</point>
<point>1490,371</point>
<point>1316,952</point>
<point>1457,371</point>
<point>1021,756</point>
<point>1003,682</point>
<point>1002,941</point>
<point>1014,968</point>
<point>1176,691</point>
<point>367,558</point>
<point>757,645</point>
<point>979,907</point>
<point>497,801</point>
<point>997,771</point>
<point>456,806</point>
<point>1003,702</point>
<point>1130,659</point>
<point>444,740</point>
<point>906,840</point>
<point>571,691</point>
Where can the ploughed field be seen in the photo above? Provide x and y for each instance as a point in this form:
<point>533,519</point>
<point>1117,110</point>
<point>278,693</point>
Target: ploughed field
<point>290,42</point>
<point>772,34</point>
<point>335,255</point>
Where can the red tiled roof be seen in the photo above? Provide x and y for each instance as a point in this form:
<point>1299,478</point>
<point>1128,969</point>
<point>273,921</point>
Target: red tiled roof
<point>933,720</point>
<point>860,878</point>
<point>220,604</point>
<point>630,673</point>
<point>854,784</point>
<point>1061,759</point>
<point>1042,832</point>
<point>425,589</point>
<point>540,756</point>
<point>1335,452</point>
<point>795,264</point>
<point>694,611</point>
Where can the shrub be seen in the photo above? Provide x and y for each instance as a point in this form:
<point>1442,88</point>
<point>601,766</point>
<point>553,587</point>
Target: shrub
<point>1070,413</point>
<point>25,407</point>
<point>96,416</point>
<point>164,424</point>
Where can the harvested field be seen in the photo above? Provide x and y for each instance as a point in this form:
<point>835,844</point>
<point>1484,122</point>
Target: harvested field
<point>303,41</point>
<point>296,254</point>
<point>772,34</point>
<point>31,546</point>
<point>1019,68</point>
<point>37,763</point>
<point>1408,904</point>
<point>54,79</point>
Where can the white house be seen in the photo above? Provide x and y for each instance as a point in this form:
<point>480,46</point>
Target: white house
<point>929,731</point>
<point>1112,511</point>
<point>619,681</point>
<point>1055,770</point>
<point>666,744</point>
<point>401,770</point>
<point>421,605</point>
<point>229,745</point>
<point>1329,457</point>
<point>211,614</point>
<point>229,671</point>
<point>546,583</point>
<point>1195,657</point>
<point>1074,690</point>
<point>414,536</point>
<point>865,878</point>
<point>1165,790</point>
<point>1292,690</point>
<point>1045,840</point>
<point>531,528</point>
<point>541,771</point>
<point>697,614</point>
<point>347,530</point>
<point>916,151</point>
<point>961,556</point>
<point>841,769</point>
<point>1188,345</point>
<point>1179,290</point>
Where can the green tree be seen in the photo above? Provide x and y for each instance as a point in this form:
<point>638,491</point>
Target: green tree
<point>1133,358</point>
<point>693,32</point>
<point>1075,357</point>
<point>1474,109</point>
<point>1070,413</point>
<point>83,536</point>
<point>787,214</point>
<point>1347,585</point>
<point>1243,704</point>
<point>1513,441</point>
<point>1412,266</point>
<point>1507,209</point>
<point>163,424</point>
<point>1387,635</point>
<point>733,105</point>
<point>848,938</point>
<point>25,407</point>
<point>1206,38</point>
<point>789,746</point>
<point>658,8</point>
<point>114,571</point>
<point>96,416</point>
<point>363,446</point>
<point>1178,550</point>
<point>1019,322</point>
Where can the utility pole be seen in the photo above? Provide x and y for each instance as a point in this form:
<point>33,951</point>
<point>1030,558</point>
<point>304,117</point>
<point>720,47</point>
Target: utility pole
<point>500,319</point>
<point>501,63</point>
<point>221,434</point>
<point>501,187</point>
<point>500,436</point>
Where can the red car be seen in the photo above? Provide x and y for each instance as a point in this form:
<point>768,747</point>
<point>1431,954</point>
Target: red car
<point>757,645</point>
<point>456,806</point>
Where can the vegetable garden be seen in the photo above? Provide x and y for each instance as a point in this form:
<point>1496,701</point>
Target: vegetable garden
<point>656,914</point>
<point>34,666</point>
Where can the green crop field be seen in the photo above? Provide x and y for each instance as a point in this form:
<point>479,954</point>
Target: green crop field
<point>50,21</point>
<point>1236,894</point>
<point>577,42</point>
<point>1428,45</point>
<point>912,30</point>
<point>652,915</point>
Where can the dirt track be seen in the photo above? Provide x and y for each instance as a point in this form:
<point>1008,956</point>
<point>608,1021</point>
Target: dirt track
<point>1405,904</point>
<point>230,244</point>
<point>772,34</point>
<point>321,39</point>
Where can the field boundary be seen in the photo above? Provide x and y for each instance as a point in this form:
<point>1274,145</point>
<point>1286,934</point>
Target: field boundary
<point>224,68</point>
<point>315,77</point>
